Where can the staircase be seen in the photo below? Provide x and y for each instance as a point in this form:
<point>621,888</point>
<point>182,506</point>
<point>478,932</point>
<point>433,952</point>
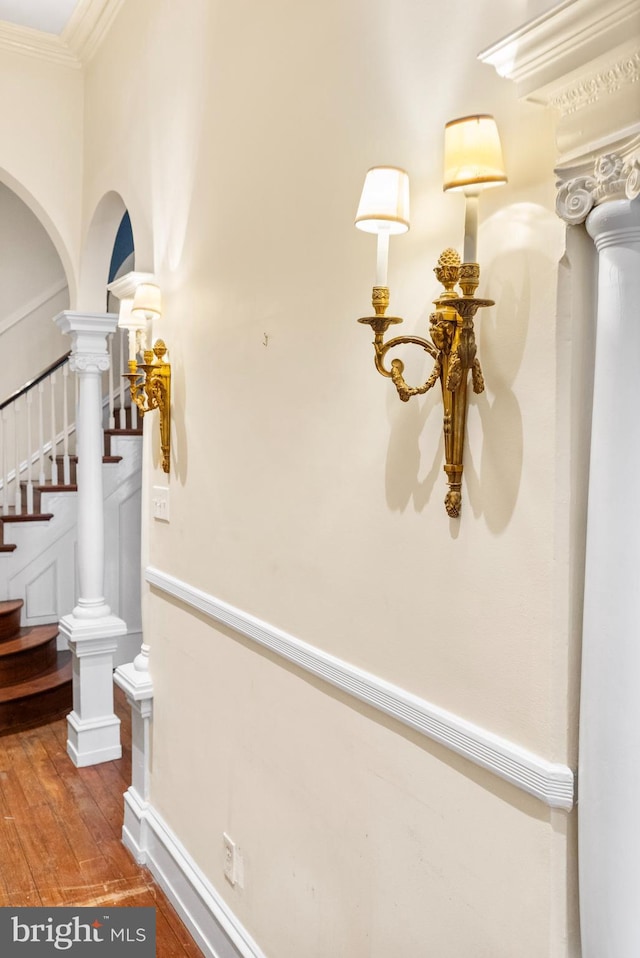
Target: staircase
<point>38,508</point>
<point>35,678</point>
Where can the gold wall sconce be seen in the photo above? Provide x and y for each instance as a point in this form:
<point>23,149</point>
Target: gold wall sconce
<point>150,380</point>
<point>473,162</point>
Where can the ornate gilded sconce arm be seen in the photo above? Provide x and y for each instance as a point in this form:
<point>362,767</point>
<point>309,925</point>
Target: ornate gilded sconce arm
<point>150,385</point>
<point>452,346</point>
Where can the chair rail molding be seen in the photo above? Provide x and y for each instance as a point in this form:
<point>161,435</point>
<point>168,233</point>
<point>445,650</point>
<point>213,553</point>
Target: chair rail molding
<point>550,782</point>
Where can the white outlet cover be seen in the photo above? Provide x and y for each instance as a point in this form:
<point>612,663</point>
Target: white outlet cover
<point>229,858</point>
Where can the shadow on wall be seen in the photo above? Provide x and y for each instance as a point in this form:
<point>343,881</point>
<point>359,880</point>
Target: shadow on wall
<point>521,278</point>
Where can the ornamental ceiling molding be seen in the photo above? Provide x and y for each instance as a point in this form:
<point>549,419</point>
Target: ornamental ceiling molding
<point>81,37</point>
<point>592,88</point>
<point>582,59</point>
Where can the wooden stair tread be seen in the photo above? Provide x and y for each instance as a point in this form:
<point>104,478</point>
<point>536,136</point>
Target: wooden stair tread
<point>25,517</point>
<point>28,638</point>
<point>8,547</point>
<point>10,605</point>
<point>59,487</point>
<point>59,674</point>
<point>122,432</point>
<point>10,611</point>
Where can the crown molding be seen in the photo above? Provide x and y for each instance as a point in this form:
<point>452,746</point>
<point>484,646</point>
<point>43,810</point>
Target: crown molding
<point>582,59</point>
<point>81,37</point>
<point>563,40</point>
<point>88,26</point>
<point>35,43</point>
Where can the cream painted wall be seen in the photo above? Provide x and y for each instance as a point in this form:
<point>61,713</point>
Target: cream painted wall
<point>303,492</point>
<point>33,289</point>
<point>41,146</point>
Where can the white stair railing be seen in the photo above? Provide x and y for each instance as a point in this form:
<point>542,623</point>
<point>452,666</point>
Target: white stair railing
<point>37,430</point>
<point>24,450</point>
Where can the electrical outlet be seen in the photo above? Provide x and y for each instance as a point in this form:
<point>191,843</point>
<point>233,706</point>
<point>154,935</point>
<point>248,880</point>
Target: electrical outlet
<point>160,503</point>
<point>229,859</point>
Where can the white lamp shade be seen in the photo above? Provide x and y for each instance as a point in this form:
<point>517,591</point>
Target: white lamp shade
<point>472,154</point>
<point>147,302</point>
<point>126,320</point>
<point>384,204</point>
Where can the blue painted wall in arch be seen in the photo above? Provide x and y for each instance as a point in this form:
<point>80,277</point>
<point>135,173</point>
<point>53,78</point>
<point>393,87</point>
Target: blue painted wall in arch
<point>122,247</point>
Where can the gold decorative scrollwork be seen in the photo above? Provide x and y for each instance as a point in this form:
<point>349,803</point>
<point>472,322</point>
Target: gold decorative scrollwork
<point>453,349</point>
<point>150,386</point>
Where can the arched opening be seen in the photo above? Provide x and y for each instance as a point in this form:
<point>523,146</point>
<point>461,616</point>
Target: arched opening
<point>109,250</point>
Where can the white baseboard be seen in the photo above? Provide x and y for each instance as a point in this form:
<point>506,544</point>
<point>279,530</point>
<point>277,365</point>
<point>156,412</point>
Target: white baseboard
<point>213,925</point>
<point>551,782</point>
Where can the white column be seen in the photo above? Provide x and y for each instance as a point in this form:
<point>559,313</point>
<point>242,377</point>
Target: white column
<point>91,630</point>
<point>609,766</point>
<point>135,680</point>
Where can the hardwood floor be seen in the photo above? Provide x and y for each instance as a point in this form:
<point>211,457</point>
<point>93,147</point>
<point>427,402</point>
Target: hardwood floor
<point>60,832</point>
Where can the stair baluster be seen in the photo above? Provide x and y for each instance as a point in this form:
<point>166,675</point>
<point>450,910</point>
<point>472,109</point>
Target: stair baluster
<point>112,417</point>
<point>41,475</point>
<point>66,461</point>
<point>29,489</point>
<point>5,469</point>
<point>54,440</point>
<point>123,392</point>
<point>17,498</point>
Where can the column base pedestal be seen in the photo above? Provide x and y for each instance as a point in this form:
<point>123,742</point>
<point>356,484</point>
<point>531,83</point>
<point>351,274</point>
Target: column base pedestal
<point>93,727</point>
<point>91,742</point>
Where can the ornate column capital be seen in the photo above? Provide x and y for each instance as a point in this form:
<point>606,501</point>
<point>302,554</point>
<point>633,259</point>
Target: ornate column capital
<point>89,362</point>
<point>613,178</point>
<point>88,332</point>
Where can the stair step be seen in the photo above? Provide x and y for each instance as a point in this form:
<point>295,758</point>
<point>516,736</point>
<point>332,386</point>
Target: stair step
<point>54,676</point>
<point>38,699</point>
<point>73,464</point>
<point>10,618</point>
<point>25,517</point>
<point>108,435</point>
<point>49,487</point>
<point>28,654</point>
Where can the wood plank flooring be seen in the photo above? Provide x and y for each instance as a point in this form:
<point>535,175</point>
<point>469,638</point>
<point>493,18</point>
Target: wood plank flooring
<point>60,832</point>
